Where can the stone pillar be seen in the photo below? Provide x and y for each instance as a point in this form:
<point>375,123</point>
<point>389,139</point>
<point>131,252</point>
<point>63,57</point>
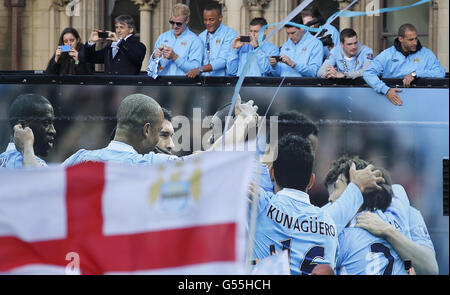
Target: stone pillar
<point>145,9</point>
<point>256,8</point>
<point>64,19</point>
<point>233,14</point>
<point>344,22</point>
<point>442,51</point>
<point>16,32</point>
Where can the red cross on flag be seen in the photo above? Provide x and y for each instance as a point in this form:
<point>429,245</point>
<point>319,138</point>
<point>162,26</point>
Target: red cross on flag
<point>186,217</point>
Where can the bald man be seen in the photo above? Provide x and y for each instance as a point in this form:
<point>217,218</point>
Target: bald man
<point>139,122</point>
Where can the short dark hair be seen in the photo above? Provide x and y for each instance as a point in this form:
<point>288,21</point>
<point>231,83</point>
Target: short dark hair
<point>214,6</point>
<point>294,164</point>
<point>347,33</point>
<point>258,21</point>
<point>26,107</point>
<point>373,200</point>
<point>296,122</point>
<point>167,114</point>
<point>297,19</point>
<point>406,27</point>
<point>126,19</point>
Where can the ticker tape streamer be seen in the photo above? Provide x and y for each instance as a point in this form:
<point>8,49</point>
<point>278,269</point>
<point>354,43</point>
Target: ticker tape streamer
<point>342,13</point>
<point>286,20</point>
<point>290,16</point>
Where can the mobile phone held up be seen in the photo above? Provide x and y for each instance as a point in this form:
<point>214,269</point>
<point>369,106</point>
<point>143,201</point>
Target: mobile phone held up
<point>277,58</point>
<point>244,39</point>
<point>65,48</point>
<point>103,35</point>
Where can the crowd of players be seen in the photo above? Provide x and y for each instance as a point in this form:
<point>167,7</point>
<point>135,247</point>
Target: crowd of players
<point>220,51</point>
<point>367,227</point>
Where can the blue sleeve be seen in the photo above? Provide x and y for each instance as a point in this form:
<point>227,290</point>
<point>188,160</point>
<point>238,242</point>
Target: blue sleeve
<point>371,74</point>
<point>330,61</point>
<point>314,62</point>
<point>335,35</point>
<point>263,59</point>
<point>276,70</point>
<point>342,254</point>
<point>418,229</point>
<point>233,62</point>
<point>193,59</point>
<point>433,68</point>
<point>221,61</point>
<point>264,199</point>
<point>344,209</point>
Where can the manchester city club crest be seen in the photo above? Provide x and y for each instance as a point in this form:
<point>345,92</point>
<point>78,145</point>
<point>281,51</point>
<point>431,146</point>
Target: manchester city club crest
<point>177,193</point>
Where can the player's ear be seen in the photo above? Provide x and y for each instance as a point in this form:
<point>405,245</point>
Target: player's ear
<point>146,130</point>
<point>311,181</point>
<point>271,173</point>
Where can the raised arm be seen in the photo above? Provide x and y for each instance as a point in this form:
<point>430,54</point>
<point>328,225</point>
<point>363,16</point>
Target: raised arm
<point>24,140</point>
<point>422,257</point>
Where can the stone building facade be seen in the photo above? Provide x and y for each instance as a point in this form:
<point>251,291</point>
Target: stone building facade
<point>33,26</point>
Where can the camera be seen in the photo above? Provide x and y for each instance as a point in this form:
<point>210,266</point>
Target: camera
<point>244,38</point>
<point>65,48</point>
<point>327,41</point>
<point>103,35</point>
<point>277,58</point>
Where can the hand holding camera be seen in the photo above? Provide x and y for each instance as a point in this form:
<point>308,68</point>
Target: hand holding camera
<point>237,43</point>
<point>274,59</point>
<point>74,54</point>
<point>158,52</point>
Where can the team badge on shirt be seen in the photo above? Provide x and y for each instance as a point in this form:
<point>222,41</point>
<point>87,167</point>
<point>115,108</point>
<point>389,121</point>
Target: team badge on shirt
<point>183,43</point>
<point>416,59</point>
<point>370,56</point>
<point>304,50</point>
<point>218,41</point>
<point>176,193</point>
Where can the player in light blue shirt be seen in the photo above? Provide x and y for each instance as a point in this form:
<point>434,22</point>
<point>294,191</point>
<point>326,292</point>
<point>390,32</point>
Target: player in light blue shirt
<point>177,51</point>
<point>288,122</point>
<point>415,246</point>
<point>312,18</point>
<point>406,59</point>
<point>288,220</point>
<point>360,252</point>
<point>240,52</point>
<point>348,60</point>
<point>300,56</point>
<point>29,115</point>
<point>217,40</point>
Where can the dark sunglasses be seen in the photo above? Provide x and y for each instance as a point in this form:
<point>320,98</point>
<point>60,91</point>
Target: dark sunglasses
<point>171,22</point>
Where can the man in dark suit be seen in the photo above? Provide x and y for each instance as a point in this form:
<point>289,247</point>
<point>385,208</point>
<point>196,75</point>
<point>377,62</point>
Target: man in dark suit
<point>124,55</point>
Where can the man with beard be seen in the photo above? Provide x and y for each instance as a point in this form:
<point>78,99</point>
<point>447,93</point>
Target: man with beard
<point>406,59</point>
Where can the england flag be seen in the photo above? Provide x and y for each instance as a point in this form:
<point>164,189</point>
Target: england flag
<point>185,217</point>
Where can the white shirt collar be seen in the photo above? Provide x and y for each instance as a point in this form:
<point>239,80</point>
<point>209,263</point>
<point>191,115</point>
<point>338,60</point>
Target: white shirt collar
<point>121,147</point>
<point>128,36</point>
<point>295,194</point>
<point>11,147</point>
